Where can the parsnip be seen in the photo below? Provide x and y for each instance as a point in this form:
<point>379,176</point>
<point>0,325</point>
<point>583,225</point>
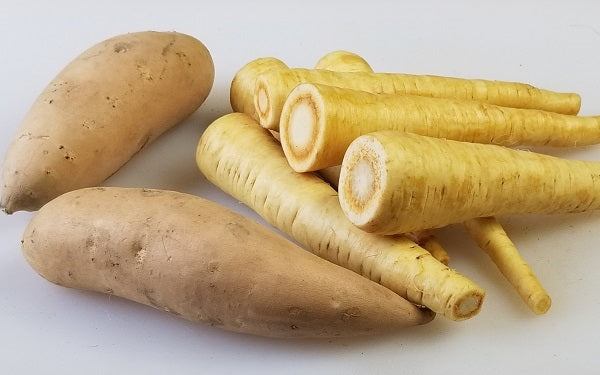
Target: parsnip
<point>245,161</point>
<point>395,182</point>
<point>345,61</point>
<point>241,91</point>
<point>273,87</point>
<point>492,238</point>
<point>318,122</point>
<point>203,262</point>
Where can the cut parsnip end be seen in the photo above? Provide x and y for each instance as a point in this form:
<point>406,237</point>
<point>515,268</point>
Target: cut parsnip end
<point>241,92</point>
<point>268,117</point>
<point>262,101</point>
<point>360,183</point>
<point>300,131</point>
<point>469,306</point>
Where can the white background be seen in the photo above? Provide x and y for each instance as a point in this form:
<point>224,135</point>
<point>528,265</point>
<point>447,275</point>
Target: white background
<point>556,45</point>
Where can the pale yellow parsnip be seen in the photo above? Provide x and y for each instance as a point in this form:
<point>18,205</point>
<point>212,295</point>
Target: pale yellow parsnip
<point>343,61</point>
<point>346,61</point>
<point>273,87</point>
<point>416,182</point>
<point>336,116</point>
<point>241,91</point>
<point>245,161</point>
<point>492,238</point>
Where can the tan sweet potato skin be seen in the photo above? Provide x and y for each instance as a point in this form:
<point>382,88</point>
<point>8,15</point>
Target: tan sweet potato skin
<point>101,109</point>
<point>197,259</point>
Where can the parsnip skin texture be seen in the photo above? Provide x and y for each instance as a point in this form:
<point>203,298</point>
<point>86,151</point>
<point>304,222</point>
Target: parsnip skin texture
<point>273,87</point>
<point>346,61</point>
<point>394,182</point>
<point>247,162</point>
<point>241,91</point>
<point>318,122</point>
<point>100,110</point>
<point>196,259</point>
<point>343,61</point>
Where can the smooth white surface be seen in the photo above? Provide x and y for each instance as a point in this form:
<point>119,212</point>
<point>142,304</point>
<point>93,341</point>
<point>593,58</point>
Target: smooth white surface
<point>556,45</point>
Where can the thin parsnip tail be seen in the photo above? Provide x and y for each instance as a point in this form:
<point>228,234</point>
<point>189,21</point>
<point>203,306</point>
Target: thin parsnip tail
<point>491,237</point>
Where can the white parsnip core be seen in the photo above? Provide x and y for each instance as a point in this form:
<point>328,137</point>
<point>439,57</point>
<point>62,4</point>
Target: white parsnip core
<point>301,128</point>
<point>361,176</point>
<point>301,125</point>
<point>241,92</point>
<point>264,97</point>
<point>262,100</point>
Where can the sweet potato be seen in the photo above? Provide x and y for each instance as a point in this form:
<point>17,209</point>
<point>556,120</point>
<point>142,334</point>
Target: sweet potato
<point>100,110</point>
<point>197,259</point>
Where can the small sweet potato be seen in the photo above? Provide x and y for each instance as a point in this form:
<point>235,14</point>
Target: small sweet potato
<point>101,109</point>
<point>197,259</point>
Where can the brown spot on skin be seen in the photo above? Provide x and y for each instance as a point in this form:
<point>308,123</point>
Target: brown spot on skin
<point>295,312</point>
<point>121,47</point>
<point>213,267</point>
<point>238,230</point>
<point>167,48</point>
<point>151,192</point>
<point>352,312</point>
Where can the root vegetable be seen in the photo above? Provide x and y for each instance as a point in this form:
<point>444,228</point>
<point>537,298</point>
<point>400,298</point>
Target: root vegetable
<point>245,161</point>
<point>318,122</point>
<point>273,87</point>
<point>395,182</point>
<point>241,92</point>
<point>487,232</point>
<point>492,238</point>
<point>345,61</point>
<point>198,260</point>
<point>100,110</point>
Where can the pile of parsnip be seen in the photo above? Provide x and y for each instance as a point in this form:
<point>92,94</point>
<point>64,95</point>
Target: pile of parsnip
<point>407,154</point>
<point>357,167</point>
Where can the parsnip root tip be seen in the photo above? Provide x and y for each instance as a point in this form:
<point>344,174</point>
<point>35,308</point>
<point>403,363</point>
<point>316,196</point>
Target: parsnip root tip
<point>468,306</point>
<point>540,303</point>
